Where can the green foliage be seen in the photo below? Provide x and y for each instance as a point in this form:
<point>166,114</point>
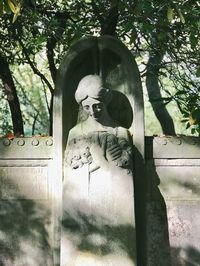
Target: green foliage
<point>8,6</point>
<point>48,28</point>
<point>188,101</point>
<point>34,108</point>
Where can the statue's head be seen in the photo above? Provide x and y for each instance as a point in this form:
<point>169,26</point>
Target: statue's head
<point>93,95</point>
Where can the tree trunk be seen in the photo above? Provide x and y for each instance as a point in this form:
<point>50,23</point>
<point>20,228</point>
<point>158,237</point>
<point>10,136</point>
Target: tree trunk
<point>154,93</point>
<point>11,93</point>
<point>108,22</point>
<point>51,43</point>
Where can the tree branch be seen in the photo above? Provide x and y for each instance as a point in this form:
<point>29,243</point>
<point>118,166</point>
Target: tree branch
<point>34,68</point>
<point>51,43</point>
<point>154,93</point>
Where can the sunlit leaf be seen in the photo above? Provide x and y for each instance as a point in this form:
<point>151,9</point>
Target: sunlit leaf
<point>16,14</point>
<point>181,16</point>
<point>170,14</point>
<point>192,121</point>
<point>13,6</point>
<point>194,117</point>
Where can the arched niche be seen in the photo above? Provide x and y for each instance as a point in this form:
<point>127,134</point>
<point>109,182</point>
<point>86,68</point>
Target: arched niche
<point>109,58</point>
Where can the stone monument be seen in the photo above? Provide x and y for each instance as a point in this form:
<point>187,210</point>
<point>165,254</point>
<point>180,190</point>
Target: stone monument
<point>98,205</point>
<point>98,83</point>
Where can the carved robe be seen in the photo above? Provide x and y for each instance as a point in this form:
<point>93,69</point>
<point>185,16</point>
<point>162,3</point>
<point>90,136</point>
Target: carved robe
<point>98,196</point>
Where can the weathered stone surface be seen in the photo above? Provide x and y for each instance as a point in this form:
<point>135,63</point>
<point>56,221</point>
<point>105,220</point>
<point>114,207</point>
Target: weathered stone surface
<point>173,212</point>
<point>26,193</point>
<point>25,234</point>
<point>27,148</point>
<point>24,182</point>
<point>179,182</point>
<point>107,57</point>
<point>98,182</point>
<point>172,147</point>
<point>158,246</point>
<point>184,235</point>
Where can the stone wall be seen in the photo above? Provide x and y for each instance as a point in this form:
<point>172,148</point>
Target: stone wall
<point>173,197</point>
<point>27,192</point>
<point>26,213</point>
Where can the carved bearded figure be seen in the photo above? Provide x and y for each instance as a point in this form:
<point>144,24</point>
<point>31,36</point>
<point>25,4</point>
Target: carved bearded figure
<point>98,184</point>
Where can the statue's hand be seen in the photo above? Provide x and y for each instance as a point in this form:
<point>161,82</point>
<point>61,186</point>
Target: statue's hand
<point>114,152</point>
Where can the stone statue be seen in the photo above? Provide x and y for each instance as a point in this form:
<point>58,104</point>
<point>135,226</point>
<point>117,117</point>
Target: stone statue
<point>99,130</point>
<point>98,204</point>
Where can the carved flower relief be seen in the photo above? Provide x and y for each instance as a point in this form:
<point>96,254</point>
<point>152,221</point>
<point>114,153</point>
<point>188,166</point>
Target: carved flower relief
<point>79,151</point>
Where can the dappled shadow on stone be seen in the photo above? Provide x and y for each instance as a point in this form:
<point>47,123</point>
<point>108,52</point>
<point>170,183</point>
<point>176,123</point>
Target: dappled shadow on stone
<point>158,246</point>
<point>24,232</point>
<point>188,185</point>
<point>102,243</point>
<point>98,201</point>
<point>188,256</point>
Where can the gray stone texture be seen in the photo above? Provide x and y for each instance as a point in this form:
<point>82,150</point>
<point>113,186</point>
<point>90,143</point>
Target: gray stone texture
<point>172,204</point>
<point>108,57</point>
<point>26,229</point>
<point>173,197</point>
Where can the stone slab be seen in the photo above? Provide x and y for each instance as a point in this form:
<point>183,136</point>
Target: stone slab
<point>172,147</point>
<point>17,182</point>
<point>179,182</point>
<point>172,211</point>
<point>27,148</point>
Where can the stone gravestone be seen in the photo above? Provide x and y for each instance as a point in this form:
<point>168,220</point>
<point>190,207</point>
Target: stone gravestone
<point>94,105</point>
